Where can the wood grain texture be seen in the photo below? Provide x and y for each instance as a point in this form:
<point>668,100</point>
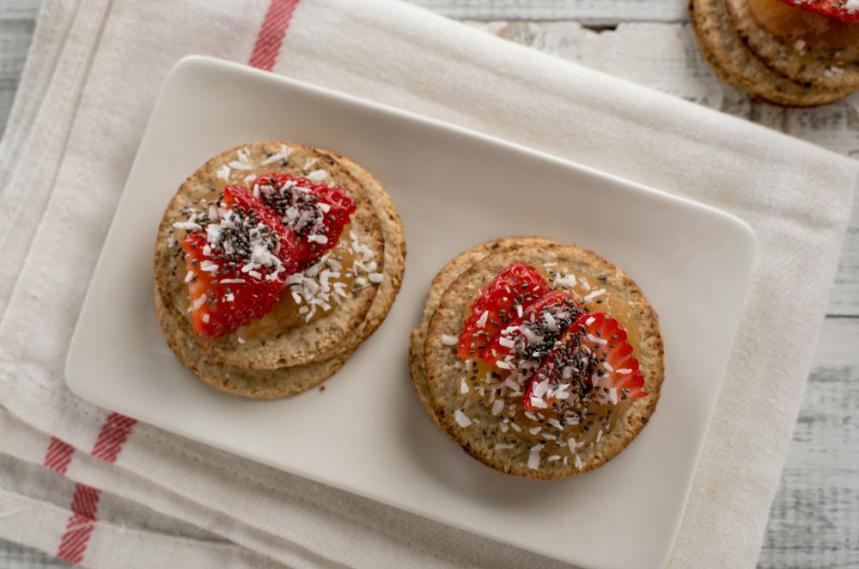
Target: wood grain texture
<point>814,523</point>
<point>600,12</point>
<point>17,21</point>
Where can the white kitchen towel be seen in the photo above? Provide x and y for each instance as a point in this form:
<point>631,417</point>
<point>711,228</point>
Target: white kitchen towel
<point>34,510</point>
<point>64,162</point>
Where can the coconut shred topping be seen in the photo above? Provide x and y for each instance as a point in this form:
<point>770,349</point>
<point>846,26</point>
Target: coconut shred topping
<point>266,235</point>
<point>242,241</point>
<point>552,375</point>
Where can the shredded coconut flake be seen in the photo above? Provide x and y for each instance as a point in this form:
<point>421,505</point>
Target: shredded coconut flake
<point>597,340</point>
<point>595,294</point>
<point>534,458</point>
<point>282,154</point>
<point>461,419</point>
<point>317,176</point>
<point>223,173</point>
<point>566,281</point>
<point>188,225</point>
<point>448,340</point>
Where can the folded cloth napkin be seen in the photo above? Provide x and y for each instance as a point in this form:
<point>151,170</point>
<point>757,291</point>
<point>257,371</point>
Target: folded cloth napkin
<point>136,495</point>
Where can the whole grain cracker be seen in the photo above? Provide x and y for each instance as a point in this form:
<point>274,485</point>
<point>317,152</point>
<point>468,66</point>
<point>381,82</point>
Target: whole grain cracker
<point>436,376</point>
<point>736,64</point>
<point>249,383</point>
<point>834,70</point>
<point>322,338</point>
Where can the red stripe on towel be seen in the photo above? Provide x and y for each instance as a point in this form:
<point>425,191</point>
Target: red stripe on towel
<point>117,428</point>
<point>113,435</point>
<point>271,33</point>
<point>107,447</point>
<point>59,456</point>
<point>80,525</point>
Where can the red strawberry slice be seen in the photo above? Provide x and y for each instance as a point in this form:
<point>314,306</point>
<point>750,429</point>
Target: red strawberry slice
<point>617,376</point>
<point>495,309</point>
<point>316,213</point>
<point>238,198</point>
<point>546,319</point>
<point>593,358</point>
<point>230,283</point>
<point>836,9</point>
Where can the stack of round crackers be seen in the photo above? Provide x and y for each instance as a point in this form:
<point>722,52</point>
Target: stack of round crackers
<point>438,373</point>
<point>298,358</point>
<point>810,60</point>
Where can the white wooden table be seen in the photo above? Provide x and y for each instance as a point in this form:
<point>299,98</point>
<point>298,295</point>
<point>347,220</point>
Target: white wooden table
<point>814,523</point>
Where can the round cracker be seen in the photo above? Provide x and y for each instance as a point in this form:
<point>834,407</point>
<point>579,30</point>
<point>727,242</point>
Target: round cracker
<point>393,253</point>
<point>252,384</point>
<point>438,286</point>
<point>319,340</point>
<point>834,70</point>
<point>442,377</point>
<point>737,65</point>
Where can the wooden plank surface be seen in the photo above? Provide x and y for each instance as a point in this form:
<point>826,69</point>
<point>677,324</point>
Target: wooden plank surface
<point>602,12</point>
<point>814,523</point>
<point>17,20</point>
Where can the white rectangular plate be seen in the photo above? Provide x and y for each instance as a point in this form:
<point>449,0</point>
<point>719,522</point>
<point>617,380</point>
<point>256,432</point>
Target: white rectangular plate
<point>454,189</point>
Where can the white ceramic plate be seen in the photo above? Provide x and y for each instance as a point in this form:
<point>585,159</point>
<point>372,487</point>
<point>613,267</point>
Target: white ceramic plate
<point>454,189</point>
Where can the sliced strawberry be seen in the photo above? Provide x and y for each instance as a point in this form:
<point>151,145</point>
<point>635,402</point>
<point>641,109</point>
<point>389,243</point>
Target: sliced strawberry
<point>238,198</point>
<point>546,320</point>
<point>237,266</point>
<point>836,9</point>
<point>617,376</point>
<point>316,213</point>
<point>592,359</point>
<point>519,285</point>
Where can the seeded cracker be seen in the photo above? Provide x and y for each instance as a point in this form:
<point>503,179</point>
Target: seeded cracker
<point>736,64</point>
<point>797,61</point>
<point>324,336</point>
<point>439,285</point>
<point>326,343</point>
<point>250,383</point>
<point>437,372</point>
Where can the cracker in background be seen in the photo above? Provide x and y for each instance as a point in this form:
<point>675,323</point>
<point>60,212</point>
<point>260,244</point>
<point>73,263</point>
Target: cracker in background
<point>737,65</point>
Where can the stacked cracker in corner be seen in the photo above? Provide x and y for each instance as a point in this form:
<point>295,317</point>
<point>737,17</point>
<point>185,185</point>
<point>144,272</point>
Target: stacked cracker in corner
<point>800,53</point>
